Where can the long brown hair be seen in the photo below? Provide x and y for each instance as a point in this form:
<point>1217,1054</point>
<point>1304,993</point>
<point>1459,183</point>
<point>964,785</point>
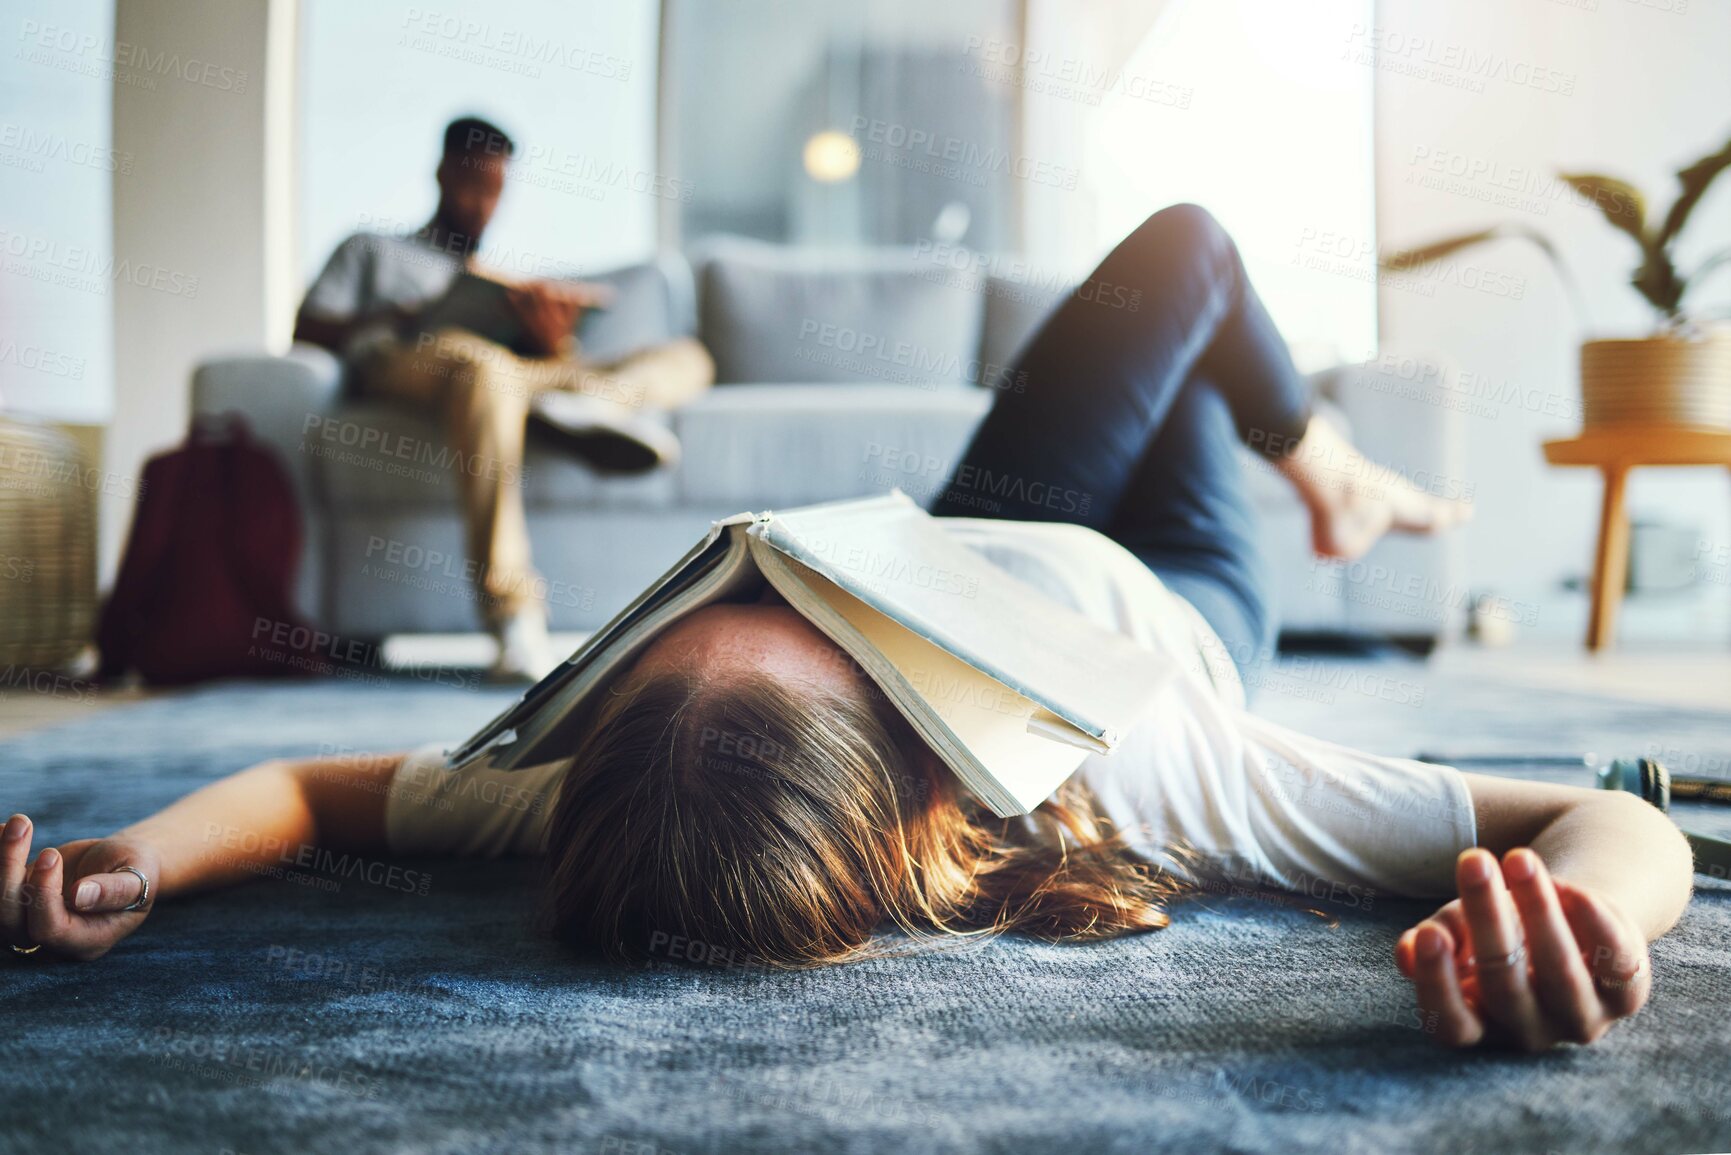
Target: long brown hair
<point>783,826</point>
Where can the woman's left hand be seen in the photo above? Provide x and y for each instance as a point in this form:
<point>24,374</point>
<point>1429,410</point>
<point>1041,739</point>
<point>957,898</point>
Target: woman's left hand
<point>74,902</point>
<point>1523,960</point>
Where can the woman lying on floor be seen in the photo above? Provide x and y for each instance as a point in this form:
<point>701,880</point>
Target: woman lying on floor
<point>745,787</point>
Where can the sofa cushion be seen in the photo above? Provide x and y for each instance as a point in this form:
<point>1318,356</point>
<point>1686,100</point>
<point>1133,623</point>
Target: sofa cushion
<point>651,305</point>
<point>1016,306</point>
<point>771,315</point>
<point>781,445</point>
<point>373,454</point>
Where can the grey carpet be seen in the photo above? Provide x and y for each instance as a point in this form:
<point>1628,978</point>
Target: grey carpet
<point>283,1017</point>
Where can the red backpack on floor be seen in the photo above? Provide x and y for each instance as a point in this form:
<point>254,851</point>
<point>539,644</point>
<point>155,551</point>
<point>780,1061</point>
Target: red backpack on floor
<point>205,586</point>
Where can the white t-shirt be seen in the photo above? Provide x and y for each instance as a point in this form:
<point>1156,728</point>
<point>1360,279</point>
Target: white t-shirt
<point>370,271</point>
<point>1200,785</point>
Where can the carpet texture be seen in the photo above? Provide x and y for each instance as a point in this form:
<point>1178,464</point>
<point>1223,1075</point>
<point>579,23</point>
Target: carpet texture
<point>329,1012</point>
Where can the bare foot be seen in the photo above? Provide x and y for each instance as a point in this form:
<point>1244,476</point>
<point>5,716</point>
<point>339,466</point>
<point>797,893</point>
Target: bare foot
<point>1353,501</point>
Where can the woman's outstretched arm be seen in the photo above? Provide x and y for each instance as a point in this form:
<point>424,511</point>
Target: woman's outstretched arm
<point>71,901</point>
<point>1549,944</point>
<point>1606,841</point>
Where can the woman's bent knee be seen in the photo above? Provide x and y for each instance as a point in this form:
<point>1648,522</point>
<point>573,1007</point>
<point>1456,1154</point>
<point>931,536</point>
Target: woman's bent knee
<point>1189,224</point>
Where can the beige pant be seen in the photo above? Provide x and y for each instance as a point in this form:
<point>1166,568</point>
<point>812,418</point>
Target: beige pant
<point>482,392</point>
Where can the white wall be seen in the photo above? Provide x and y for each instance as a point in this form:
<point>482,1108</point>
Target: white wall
<point>191,112</point>
<point>56,166</point>
<point>1638,88</point>
<point>573,84</point>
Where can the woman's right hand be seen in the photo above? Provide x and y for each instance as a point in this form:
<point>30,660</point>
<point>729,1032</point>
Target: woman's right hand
<point>78,919</point>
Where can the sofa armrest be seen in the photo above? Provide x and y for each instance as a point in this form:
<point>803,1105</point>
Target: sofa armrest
<point>271,392</point>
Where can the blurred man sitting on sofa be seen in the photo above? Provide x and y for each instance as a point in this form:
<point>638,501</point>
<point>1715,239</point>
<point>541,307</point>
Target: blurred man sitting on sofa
<point>417,318</point>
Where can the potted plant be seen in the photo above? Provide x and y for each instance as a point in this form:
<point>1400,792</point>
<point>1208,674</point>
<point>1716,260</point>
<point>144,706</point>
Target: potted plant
<point>1681,374</point>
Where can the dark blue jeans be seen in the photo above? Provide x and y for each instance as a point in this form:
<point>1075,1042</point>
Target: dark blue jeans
<point>1126,420</point>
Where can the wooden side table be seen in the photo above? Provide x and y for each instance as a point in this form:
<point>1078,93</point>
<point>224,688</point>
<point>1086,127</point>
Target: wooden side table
<point>1614,451</point>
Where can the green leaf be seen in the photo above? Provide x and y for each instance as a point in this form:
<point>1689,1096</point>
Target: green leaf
<point>1402,259</point>
<point>1620,201</point>
<point>1695,179</point>
<point>1657,281</point>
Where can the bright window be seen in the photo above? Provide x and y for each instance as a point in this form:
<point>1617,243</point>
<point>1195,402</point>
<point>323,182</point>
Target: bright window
<point>1276,141</point>
<point>837,124</point>
<point>573,84</point>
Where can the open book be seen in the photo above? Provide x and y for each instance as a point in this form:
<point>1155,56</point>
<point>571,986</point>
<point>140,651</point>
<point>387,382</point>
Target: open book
<point>479,301</point>
<point>1011,689</point>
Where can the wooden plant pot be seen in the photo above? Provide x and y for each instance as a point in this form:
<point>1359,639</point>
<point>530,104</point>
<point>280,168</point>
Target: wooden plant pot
<point>1657,381</point>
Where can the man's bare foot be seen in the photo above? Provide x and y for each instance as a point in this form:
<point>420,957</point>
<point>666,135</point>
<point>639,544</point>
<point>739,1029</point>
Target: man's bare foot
<point>1353,501</point>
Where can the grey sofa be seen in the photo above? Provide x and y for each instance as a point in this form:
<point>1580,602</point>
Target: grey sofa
<point>837,378</point>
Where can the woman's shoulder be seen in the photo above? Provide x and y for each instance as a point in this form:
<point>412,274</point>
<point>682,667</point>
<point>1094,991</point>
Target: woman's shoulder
<point>1071,563</point>
<point>1097,577</point>
<point>1032,532</point>
<point>475,812</point>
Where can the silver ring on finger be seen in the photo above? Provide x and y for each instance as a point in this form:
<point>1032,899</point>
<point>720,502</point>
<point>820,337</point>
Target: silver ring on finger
<point>1512,960</point>
<point>143,898</point>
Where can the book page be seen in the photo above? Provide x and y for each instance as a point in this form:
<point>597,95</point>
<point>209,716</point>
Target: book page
<point>889,554</point>
<point>982,732</point>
